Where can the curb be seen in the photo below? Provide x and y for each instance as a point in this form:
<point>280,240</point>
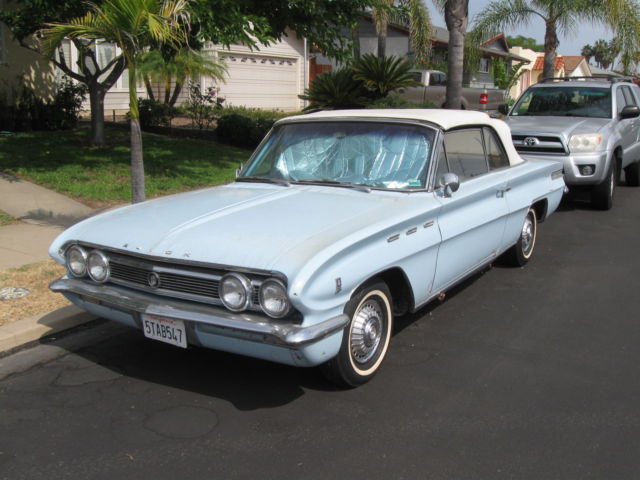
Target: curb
<point>18,333</point>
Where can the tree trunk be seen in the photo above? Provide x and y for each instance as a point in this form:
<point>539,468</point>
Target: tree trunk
<point>149,87</point>
<point>382,40</point>
<point>355,38</point>
<point>137,161</point>
<point>457,17</point>
<point>176,91</point>
<point>550,46</point>
<point>96,101</point>
<point>167,89</point>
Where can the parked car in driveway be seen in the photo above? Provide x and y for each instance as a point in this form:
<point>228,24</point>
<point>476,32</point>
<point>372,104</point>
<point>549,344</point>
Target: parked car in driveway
<point>591,126</point>
<point>339,222</point>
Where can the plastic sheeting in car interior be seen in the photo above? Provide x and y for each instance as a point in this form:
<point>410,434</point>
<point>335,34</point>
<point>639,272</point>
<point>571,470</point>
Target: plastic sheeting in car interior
<point>386,156</point>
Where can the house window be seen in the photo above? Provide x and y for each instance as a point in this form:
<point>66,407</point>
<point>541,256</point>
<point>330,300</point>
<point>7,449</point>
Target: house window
<point>484,65</point>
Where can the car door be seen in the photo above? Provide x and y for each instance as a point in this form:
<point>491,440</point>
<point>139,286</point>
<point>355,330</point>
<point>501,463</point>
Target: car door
<point>629,127</point>
<point>472,219</point>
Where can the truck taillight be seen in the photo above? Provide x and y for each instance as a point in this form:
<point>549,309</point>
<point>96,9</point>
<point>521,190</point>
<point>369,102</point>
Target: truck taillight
<point>484,98</point>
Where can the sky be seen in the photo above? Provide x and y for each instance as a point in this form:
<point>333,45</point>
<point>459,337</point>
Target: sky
<point>585,33</point>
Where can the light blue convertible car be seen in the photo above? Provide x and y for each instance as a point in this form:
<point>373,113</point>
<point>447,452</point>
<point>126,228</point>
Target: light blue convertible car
<point>339,222</point>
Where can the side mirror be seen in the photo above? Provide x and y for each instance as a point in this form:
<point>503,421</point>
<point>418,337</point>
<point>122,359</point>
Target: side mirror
<point>503,108</point>
<point>450,183</point>
<point>630,111</point>
<point>239,170</point>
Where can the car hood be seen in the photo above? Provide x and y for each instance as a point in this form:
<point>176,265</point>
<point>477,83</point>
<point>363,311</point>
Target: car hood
<point>557,125</point>
<point>257,226</point>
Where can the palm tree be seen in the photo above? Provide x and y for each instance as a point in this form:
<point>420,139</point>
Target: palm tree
<point>412,13</point>
<point>587,52</point>
<point>561,16</point>
<point>380,76</point>
<point>456,16</point>
<point>132,25</point>
<point>176,65</point>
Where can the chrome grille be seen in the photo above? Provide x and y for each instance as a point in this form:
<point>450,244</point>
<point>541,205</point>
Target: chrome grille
<point>547,144</point>
<point>175,280</point>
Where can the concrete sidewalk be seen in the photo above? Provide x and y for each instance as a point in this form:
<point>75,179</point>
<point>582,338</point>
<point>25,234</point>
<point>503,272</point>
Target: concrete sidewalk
<point>46,214</point>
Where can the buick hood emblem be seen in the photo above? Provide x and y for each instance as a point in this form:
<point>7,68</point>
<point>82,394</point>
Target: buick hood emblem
<point>531,141</point>
<point>154,280</point>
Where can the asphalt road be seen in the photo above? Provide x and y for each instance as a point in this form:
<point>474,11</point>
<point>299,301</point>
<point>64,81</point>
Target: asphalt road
<point>520,373</point>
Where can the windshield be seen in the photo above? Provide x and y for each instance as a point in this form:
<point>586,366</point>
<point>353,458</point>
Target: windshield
<point>576,101</point>
<point>370,154</point>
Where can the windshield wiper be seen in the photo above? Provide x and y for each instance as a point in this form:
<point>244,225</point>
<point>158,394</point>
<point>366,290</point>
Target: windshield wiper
<point>276,181</point>
<point>326,181</point>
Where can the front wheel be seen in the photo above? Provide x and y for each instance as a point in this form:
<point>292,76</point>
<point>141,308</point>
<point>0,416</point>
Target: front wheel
<point>602,194</point>
<point>522,251</point>
<point>366,338</point>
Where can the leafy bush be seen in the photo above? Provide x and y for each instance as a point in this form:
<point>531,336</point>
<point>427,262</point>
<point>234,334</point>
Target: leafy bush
<point>246,127</point>
<point>334,91</point>
<point>203,108</point>
<point>29,112</point>
<point>155,114</point>
<point>380,76</point>
<point>396,101</point>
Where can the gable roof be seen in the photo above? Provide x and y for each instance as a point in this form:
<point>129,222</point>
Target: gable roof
<point>539,65</point>
<point>571,62</point>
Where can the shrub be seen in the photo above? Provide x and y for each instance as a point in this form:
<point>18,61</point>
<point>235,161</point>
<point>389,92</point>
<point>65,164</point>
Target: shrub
<point>334,91</point>
<point>380,76</point>
<point>203,108</point>
<point>29,112</point>
<point>246,127</point>
<point>155,114</point>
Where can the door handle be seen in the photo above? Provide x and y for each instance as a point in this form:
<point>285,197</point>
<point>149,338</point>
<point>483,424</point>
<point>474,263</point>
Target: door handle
<point>501,191</point>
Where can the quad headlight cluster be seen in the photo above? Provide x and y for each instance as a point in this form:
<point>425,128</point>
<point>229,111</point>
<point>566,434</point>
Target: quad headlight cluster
<point>236,290</point>
<point>93,263</point>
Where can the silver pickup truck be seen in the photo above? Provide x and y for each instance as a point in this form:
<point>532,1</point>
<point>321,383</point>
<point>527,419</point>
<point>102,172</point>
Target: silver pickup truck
<point>433,88</point>
<point>591,126</point>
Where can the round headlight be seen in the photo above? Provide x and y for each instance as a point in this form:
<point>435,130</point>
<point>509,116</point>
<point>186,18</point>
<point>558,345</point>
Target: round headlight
<point>235,291</point>
<point>98,266</point>
<point>77,261</point>
<point>273,298</point>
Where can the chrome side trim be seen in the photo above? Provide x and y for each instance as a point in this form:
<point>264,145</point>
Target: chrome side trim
<point>237,325</point>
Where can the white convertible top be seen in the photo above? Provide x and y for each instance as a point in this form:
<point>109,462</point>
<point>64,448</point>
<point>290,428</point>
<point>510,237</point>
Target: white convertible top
<point>446,119</point>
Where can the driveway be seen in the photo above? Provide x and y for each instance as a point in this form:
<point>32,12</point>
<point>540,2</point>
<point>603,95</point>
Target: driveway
<point>519,373</point>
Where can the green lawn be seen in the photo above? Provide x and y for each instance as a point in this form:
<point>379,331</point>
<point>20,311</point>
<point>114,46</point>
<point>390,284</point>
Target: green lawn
<point>64,161</point>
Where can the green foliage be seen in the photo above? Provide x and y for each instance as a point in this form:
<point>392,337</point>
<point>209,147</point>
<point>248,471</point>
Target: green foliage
<point>379,76</point>
<point>64,162</point>
<point>28,16</point>
<point>261,22</point>
<point>335,90</point>
<point>246,127</point>
<point>155,114</point>
<point>396,101</point>
<point>504,77</point>
<point>203,108</point>
<point>525,42</point>
<point>30,112</point>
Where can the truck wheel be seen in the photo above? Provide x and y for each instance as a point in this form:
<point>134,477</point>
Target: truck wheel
<point>366,338</point>
<point>632,174</point>
<point>602,194</point>
<point>522,251</point>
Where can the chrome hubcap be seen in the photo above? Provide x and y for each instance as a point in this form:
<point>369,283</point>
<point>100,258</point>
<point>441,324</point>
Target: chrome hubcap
<point>366,331</point>
<point>527,235</point>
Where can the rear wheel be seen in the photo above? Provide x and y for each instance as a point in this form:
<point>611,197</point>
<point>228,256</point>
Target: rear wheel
<point>632,174</point>
<point>522,251</point>
<point>366,338</point>
<point>602,194</point>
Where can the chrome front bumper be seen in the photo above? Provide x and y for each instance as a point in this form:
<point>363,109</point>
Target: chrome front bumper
<point>245,326</point>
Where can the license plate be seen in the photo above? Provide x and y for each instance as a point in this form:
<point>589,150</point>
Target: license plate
<point>165,330</point>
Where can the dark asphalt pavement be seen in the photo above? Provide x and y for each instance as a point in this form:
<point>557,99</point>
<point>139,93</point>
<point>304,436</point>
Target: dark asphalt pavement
<point>529,373</point>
